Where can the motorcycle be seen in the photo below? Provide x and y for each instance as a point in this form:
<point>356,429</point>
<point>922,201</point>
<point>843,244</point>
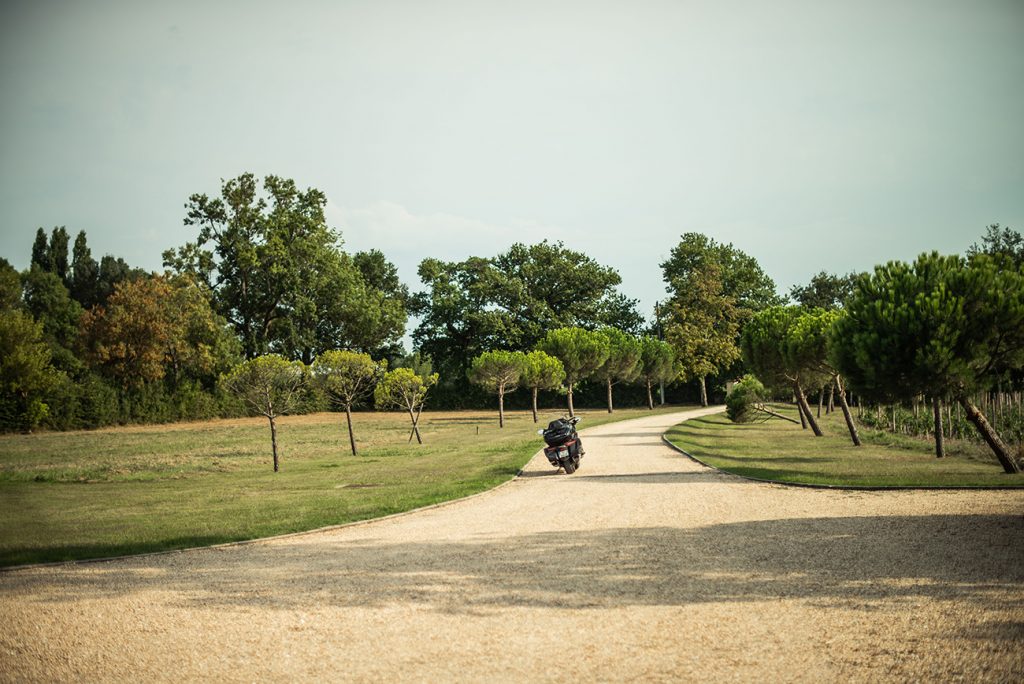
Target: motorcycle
<point>564,447</point>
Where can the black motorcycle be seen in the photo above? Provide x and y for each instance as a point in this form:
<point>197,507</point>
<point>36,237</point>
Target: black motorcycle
<point>565,448</point>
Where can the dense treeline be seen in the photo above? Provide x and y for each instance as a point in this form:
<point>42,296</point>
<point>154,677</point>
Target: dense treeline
<point>260,275</point>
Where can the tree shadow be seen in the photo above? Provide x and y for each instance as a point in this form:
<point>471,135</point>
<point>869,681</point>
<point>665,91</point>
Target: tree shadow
<point>853,560</point>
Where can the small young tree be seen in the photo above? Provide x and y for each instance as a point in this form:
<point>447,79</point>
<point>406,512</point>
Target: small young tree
<point>401,388</point>
<point>541,371</point>
<point>347,377</point>
<point>623,362</point>
<point>498,371</point>
<point>270,384</point>
<point>581,352</point>
<point>657,364</point>
<point>26,374</point>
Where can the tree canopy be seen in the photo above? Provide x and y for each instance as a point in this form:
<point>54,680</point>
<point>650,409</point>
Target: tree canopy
<point>581,352</point>
<point>347,377</point>
<point>498,371</point>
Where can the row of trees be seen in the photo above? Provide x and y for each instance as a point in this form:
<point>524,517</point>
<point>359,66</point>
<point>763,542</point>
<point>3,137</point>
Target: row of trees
<point>566,356</point>
<point>942,327</point>
<point>271,386</point>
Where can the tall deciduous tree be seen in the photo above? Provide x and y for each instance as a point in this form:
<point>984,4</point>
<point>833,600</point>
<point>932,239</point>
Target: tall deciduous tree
<point>10,286</point>
<point>701,324</point>
<point>944,325</point>
<point>824,291</point>
<point>347,377</point>
<point>657,364</point>
<point>277,273</point>
<point>541,371</point>
<point>85,273</point>
<point>623,362</point>
<point>403,389</point>
<point>498,371</point>
<point>741,276</point>
<point>269,384</point>
<point>49,302</point>
<point>581,352</point>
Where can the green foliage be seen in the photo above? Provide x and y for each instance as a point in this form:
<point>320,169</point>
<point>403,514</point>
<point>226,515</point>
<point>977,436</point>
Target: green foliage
<point>1005,245</point>
<point>85,273</point>
<point>623,362</point>
<point>806,346</point>
<point>402,388</point>
<point>741,276</point>
<point>49,302</point>
<point>657,360</point>
<point>541,371</point>
<point>511,300</point>
<point>10,286</point>
<point>497,371</point>
<point>278,275</point>
<point>745,396</point>
<point>581,351</point>
<point>763,345</point>
<point>269,384</point>
<point>26,375</point>
<point>346,376</point>
<point>825,291</point>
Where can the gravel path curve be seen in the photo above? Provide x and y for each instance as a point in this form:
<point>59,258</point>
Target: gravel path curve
<point>642,566</point>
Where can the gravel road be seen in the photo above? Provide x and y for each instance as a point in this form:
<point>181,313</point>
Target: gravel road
<point>642,566</point>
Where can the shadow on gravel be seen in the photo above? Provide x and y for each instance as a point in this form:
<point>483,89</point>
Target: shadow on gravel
<point>856,561</point>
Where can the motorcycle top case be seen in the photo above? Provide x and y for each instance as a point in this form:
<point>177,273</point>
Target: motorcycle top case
<point>557,432</point>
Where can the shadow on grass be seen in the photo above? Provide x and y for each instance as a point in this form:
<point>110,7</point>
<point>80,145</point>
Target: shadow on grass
<point>857,560</point>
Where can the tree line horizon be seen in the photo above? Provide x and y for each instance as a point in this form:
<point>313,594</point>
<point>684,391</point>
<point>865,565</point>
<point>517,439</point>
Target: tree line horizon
<point>89,343</point>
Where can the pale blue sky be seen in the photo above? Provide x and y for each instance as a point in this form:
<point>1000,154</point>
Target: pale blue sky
<point>813,135</point>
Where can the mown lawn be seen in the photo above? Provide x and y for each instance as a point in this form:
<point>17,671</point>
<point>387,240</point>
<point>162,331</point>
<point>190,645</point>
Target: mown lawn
<point>78,495</point>
<point>781,451</point>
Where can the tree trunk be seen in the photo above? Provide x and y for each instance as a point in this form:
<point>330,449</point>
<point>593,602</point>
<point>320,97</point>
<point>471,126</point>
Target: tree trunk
<point>351,435</point>
<point>501,407</point>
<point>273,439</point>
<point>802,398</point>
<point>703,392</point>
<point>650,399</point>
<point>850,425</point>
<point>534,404</point>
<point>821,399</point>
<point>571,413</point>
<point>940,449</point>
<point>415,427</point>
<point>831,406</point>
<point>990,436</point>
<point>800,410</point>
<point>661,393</point>
<point>610,409</point>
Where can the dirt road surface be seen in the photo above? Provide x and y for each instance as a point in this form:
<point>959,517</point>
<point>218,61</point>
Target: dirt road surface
<point>643,566</point>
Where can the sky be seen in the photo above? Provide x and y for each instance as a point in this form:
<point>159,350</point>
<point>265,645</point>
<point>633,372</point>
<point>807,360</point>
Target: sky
<point>811,135</point>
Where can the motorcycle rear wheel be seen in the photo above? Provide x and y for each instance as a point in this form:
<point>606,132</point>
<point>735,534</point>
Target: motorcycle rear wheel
<point>569,467</point>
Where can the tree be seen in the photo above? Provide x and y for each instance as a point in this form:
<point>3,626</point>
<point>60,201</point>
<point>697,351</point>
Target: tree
<point>763,344</point>
<point>943,326</point>
<point>25,371</point>
<point>10,286</point>
<point>701,323</point>
<point>657,364</point>
<point>1002,243</point>
<point>57,253</point>
<point>269,384</point>
<point>154,328</point>
<point>85,273</point>
<point>825,291</point>
<point>741,276</point>
<point>581,352</point>
<point>541,371</point>
<point>49,302</point>
<point>510,302</point>
<point>807,346</point>
<point>347,377</point>
<point>498,371</point>
<point>41,251</point>
<point>401,388</point>
<point>623,362</point>
<point>277,273</point>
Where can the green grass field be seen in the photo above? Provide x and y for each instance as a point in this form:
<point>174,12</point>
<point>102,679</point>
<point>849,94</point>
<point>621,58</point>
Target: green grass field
<point>77,495</point>
<point>781,451</point>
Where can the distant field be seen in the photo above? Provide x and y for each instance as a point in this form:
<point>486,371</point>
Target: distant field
<point>782,451</point>
<point>128,490</point>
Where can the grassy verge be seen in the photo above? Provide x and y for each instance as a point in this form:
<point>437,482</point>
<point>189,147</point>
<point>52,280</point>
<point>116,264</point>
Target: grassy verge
<point>111,492</point>
<point>781,451</point>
